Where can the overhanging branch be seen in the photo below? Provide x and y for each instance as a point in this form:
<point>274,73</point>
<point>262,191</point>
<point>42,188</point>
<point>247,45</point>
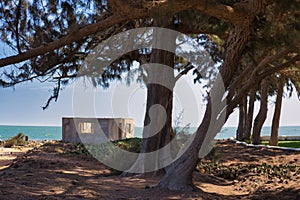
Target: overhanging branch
<point>231,14</point>
<point>254,80</point>
<point>71,37</point>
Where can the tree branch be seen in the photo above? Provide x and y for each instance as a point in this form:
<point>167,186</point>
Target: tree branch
<point>184,72</point>
<point>71,37</point>
<point>237,14</point>
<point>273,70</point>
<point>224,12</point>
<point>17,26</point>
<point>269,59</point>
<point>54,96</point>
<point>252,81</point>
<point>233,15</point>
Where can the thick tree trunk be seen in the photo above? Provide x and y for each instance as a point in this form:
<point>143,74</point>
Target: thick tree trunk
<point>161,82</point>
<point>276,117</point>
<point>240,133</point>
<point>250,112</point>
<point>158,130</point>
<point>160,93</point>
<point>262,114</point>
<point>179,174</point>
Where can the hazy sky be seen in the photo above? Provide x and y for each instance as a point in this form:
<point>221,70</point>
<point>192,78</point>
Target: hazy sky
<point>23,104</point>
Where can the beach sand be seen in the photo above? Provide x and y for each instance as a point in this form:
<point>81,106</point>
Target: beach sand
<point>7,155</point>
<point>50,171</point>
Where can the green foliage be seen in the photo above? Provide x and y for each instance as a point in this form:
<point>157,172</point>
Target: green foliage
<point>278,25</point>
<point>129,144</point>
<point>79,149</point>
<point>41,22</point>
<point>248,141</point>
<point>289,144</point>
<point>32,24</point>
<point>233,172</point>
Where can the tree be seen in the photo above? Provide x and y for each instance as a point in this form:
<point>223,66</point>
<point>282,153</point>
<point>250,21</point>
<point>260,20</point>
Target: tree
<point>180,175</point>
<point>242,120</point>
<point>285,78</point>
<point>159,94</point>
<point>249,118</point>
<point>276,117</point>
<point>59,55</point>
<point>262,114</point>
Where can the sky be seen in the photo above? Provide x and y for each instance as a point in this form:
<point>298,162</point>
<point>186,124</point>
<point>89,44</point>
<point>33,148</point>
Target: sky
<point>22,105</point>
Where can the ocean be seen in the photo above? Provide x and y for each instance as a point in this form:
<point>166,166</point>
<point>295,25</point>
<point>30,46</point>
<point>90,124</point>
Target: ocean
<point>228,132</point>
<point>55,132</point>
<point>33,132</point>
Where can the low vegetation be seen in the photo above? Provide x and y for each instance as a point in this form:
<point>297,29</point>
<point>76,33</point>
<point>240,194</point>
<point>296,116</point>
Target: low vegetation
<point>129,144</point>
<point>18,140</point>
<point>210,166</point>
<point>290,144</point>
<point>233,172</point>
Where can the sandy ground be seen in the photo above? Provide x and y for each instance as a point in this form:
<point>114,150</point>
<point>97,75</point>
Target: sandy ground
<point>7,155</point>
<point>50,172</point>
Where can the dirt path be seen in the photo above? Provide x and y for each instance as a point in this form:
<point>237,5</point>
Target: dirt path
<point>49,172</point>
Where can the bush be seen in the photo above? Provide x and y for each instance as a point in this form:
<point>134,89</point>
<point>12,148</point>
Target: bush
<point>17,140</point>
<point>129,144</point>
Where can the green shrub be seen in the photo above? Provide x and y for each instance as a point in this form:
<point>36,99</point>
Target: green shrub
<point>130,144</point>
<point>100,150</point>
<point>289,144</point>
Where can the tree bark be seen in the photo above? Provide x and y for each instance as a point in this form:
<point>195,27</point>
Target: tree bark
<point>262,114</point>
<point>250,112</point>
<point>179,174</point>
<point>276,117</point>
<point>161,83</point>
<point>242,120</point>
<point>159,94</point>
<point>158,130</point>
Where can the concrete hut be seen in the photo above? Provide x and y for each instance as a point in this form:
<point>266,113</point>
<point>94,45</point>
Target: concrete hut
<point>95,130</point>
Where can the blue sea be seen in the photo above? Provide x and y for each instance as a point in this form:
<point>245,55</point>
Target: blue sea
<point>33,132</point>
<point>55,132</point>
<point>228,132</point>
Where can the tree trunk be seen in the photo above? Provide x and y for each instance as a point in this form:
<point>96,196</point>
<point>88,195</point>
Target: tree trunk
<point>250,112</point>
<point>242,120</point>
<point>158,130</point>
<point>159,94</point>
<point>276,117</point>
<point>179,174</point>
<point>262,114</point>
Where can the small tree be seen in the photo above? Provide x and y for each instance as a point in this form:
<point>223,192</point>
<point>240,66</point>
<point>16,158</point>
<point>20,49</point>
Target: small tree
<point>262,114</point>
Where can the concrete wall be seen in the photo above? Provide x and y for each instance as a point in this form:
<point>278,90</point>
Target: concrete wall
<point>94,130</point>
